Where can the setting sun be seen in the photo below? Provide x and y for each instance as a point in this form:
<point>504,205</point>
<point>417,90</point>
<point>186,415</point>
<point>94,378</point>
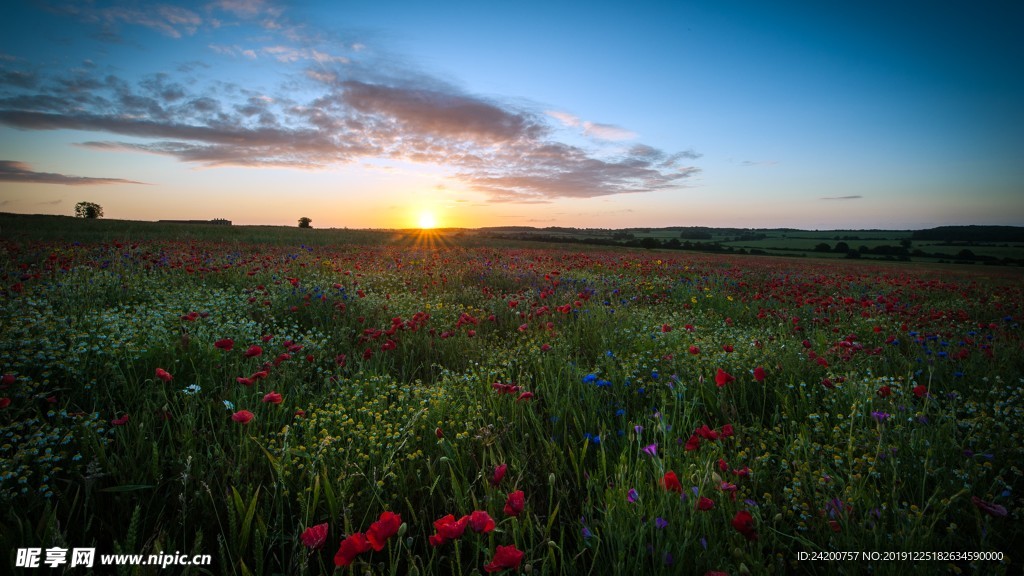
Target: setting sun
<point>427,220</point>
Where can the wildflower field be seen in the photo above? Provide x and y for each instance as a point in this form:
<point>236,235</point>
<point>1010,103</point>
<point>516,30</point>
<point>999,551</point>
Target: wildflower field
<point>427,406</point>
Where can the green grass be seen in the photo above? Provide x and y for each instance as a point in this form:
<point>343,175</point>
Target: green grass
<point>385,348</point>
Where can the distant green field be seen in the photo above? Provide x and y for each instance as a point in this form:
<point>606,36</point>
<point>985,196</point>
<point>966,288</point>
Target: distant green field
<point>790,243</point>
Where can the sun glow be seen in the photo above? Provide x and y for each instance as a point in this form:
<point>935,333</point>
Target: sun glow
<point>427,220</point>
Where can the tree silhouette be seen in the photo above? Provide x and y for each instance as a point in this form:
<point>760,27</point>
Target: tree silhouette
<point>89,210</point>
<point>305,222</point>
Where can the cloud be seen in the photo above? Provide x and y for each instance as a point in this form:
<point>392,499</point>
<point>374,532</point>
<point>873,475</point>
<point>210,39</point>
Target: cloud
<point>607,131</point>
<point>233,50</point>
<point>172,21</point>
<point>430,112</point>
<point>751,163</point>
<point>565,118</point>
<point>175,21</point>
<point>590,129</point>
<point>854,197</point>
<point>18,78</point>
<point>352,111</point>
<point>11,171</point>
<point>246,8</point>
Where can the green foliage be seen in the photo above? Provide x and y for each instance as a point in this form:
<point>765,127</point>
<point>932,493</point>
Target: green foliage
<point>88,210</point>
<point>888,401</point>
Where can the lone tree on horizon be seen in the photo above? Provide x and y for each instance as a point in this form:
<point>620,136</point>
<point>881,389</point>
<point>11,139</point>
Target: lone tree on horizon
<point>90,210</point>
<point>305,222</point>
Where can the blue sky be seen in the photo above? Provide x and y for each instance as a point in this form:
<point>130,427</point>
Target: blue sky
<point>372,114</point>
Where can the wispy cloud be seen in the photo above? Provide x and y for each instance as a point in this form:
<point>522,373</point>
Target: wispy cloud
<point>12,171</point>
<point>596,130</point>
<point>853,197</point>
<point>233,50</point>
<point>751,163</point>
<point>565,118</point>
<point>169,20</point>
<point>607,131</point>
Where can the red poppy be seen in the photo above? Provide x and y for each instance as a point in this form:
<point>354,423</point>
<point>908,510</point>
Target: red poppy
<point>727,431</point>
<point>225,344</point>
<point>884,392</point>
<point>385,527</point>
<point>499,473</point>
<point>253,350</point>
<point>514,503</point>
<point>273,398</point>
<point>693,443</point>
<point>164,375</point>
<point>437,540</point>
<point>450,528</point>
<point>694,350</point>
<point>671,482</point>
<point>524,396</point>
<point>722,378</point>
<point>716,573</point>
<point>723,465</point>
<point>920,390</point>
<point>351,547</point>
<point>666,328</point>
<point>245,381</point>
<point>439,433</point>
<point>727,348</point>
<point>704,504</point>
<point>706,433</point>
<point>505,557</point>
<point>242,416</point>
<point>120,421</point>
<point>7,379</point>
<point>314,537</point>
<point>743,522</point>
<point>4,402</point>
<point>259,375</point>
<point>759,374</point>
<point>481,522</point>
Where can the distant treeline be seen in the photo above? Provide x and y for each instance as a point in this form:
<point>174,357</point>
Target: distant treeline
<point>971,234</point>
<point>624,239</point>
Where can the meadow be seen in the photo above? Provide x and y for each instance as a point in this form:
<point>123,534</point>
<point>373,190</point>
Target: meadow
<point>353,402</point>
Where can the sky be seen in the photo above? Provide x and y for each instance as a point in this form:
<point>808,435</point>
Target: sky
<point>590,114</point>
